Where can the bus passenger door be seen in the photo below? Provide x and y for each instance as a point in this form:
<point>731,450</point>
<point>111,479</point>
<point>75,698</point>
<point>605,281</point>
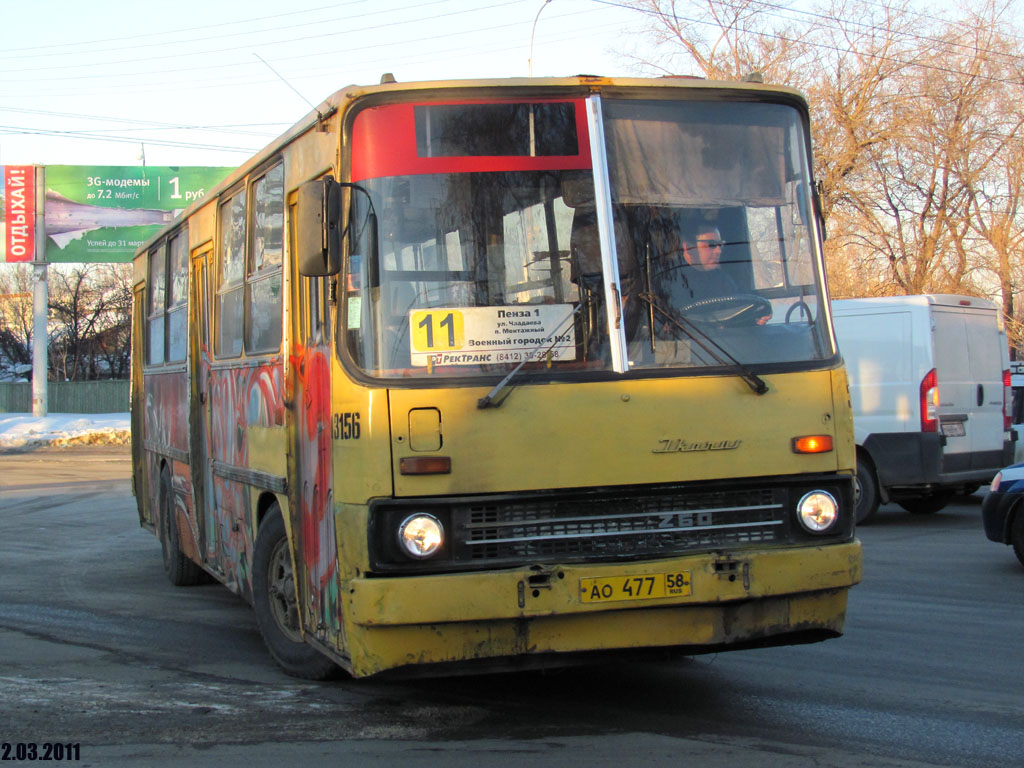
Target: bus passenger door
<point>199,410</point>
<point>310,497</point>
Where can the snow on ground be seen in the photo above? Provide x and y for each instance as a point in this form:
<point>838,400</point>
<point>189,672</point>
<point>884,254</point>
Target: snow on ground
<point>23,430</point>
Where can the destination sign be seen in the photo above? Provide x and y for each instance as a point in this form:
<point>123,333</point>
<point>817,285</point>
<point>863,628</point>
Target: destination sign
<point>491,335</point>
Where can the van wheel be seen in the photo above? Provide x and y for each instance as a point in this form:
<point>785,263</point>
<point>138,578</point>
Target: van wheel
<point>180,570</point>
<point>865,492</point>
<point>1017,535</point>
<point>276,603</point>
<point>927,505</point>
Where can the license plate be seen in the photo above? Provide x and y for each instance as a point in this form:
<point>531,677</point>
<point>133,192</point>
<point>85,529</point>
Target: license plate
<point>646,586</point>
<point>953,429</point>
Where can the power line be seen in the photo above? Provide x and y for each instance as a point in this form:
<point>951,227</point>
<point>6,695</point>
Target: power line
<point>177,54</point>
<point>9,130</point>
<point>834,48</point>
<point>578,31</point>
<point>222,36</point>
<point>350,49</point>
<point>204,27</point>
<point>151,124</point>
<point>842,25</point>
<point>768,8</point>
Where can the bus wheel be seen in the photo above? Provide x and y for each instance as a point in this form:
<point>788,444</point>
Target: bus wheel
<point>865,491</point>
<point>275,600</point>
<point>181,571</point>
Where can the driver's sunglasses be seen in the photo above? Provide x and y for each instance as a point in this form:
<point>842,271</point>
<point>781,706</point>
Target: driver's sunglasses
<point>711,243</point>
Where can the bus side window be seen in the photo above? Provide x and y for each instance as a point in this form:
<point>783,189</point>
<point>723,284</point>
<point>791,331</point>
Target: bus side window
<point>156,305</point>
<point>177,298</point>
<point>263,279</point>
<point>231,278</point>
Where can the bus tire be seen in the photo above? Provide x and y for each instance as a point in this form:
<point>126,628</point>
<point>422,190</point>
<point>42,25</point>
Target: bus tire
<point>275,601</point>
<point>865,491</point>
<point>180,570</point>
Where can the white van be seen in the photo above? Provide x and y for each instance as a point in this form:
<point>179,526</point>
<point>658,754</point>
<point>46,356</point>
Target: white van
<point>930,387</point>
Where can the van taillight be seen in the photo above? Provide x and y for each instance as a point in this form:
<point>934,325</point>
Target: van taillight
<point>929,402</point>
<point>1006,401</point>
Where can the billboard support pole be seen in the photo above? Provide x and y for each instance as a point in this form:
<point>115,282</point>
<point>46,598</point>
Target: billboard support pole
<point>40,302</point>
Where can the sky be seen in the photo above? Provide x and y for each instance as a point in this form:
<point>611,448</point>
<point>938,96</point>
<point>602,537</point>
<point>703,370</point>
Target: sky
<point>105,83</point>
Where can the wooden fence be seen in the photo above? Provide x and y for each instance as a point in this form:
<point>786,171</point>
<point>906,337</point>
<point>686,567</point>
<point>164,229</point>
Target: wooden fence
<point>109,396</point>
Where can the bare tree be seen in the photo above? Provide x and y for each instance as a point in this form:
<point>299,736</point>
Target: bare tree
<point>917,129</point>
<point>15,320</point>
<point>721,40</point>
<point>994,170</point>
<point>998,216</point>
<point>112,346</point>
<point>90,308</point>
<point>854,93</point>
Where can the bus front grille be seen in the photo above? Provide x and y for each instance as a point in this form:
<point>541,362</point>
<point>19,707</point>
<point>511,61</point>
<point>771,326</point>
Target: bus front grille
<point>626,526</point>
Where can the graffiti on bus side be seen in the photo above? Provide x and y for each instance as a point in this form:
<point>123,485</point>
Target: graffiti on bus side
<point>166,417</point>
<point>166,426</point>
<point>240,398</point>
<point>318,546</point>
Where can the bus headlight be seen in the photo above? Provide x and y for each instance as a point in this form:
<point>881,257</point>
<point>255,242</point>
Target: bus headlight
<point>817,511</point>
<point>421,536</point>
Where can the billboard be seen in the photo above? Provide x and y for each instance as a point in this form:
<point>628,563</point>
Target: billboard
<point>17,213</point>
<point>103,213</point>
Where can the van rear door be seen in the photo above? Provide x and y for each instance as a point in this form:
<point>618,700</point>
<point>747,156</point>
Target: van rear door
<point>877,350</point>
<point>969,362</point>
<point>989,358</point>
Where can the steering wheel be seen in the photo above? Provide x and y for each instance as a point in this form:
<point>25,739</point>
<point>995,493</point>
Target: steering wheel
<point>734,309</point>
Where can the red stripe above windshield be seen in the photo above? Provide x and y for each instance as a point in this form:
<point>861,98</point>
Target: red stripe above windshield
<point>384,144</point>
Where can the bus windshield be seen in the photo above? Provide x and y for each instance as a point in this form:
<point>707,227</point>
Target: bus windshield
<point>506,231</point>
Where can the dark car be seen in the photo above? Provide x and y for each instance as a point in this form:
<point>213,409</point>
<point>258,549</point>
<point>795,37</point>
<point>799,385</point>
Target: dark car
<point>1003,509</point>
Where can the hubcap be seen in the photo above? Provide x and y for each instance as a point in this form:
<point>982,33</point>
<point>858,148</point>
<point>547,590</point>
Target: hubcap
<point>284,605</point>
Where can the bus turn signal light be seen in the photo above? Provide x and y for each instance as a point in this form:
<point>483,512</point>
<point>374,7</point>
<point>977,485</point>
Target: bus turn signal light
<point>425,465</point>
<point>812,444</point>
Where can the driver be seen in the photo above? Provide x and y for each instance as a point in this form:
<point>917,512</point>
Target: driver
<point>692,271</point>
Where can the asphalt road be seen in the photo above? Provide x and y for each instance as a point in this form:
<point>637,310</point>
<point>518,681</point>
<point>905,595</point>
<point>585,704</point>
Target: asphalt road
<point>98,649</point>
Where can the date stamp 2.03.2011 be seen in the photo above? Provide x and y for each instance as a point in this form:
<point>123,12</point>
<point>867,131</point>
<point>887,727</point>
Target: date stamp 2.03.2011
<point>42,752</point>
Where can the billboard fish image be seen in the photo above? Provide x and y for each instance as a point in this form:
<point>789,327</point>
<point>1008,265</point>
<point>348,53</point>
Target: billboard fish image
<point>67,220</point>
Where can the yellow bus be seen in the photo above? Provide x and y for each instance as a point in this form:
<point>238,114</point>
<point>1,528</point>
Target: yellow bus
<point>504,374</point>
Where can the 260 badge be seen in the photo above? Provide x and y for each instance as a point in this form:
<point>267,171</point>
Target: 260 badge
<point>645,586</point>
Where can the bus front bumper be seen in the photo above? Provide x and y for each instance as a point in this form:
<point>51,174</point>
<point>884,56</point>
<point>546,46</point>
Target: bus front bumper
<point>716,601</point>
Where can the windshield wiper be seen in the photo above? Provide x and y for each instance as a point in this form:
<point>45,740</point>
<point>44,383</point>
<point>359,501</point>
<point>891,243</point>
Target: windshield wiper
<point>488,401</point>
<point>708,344</point>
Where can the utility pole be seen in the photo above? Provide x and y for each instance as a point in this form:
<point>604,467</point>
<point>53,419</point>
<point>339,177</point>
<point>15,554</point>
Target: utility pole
<point>40,301</point>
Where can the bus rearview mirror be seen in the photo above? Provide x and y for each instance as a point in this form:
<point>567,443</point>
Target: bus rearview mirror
<point>318,228</point>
